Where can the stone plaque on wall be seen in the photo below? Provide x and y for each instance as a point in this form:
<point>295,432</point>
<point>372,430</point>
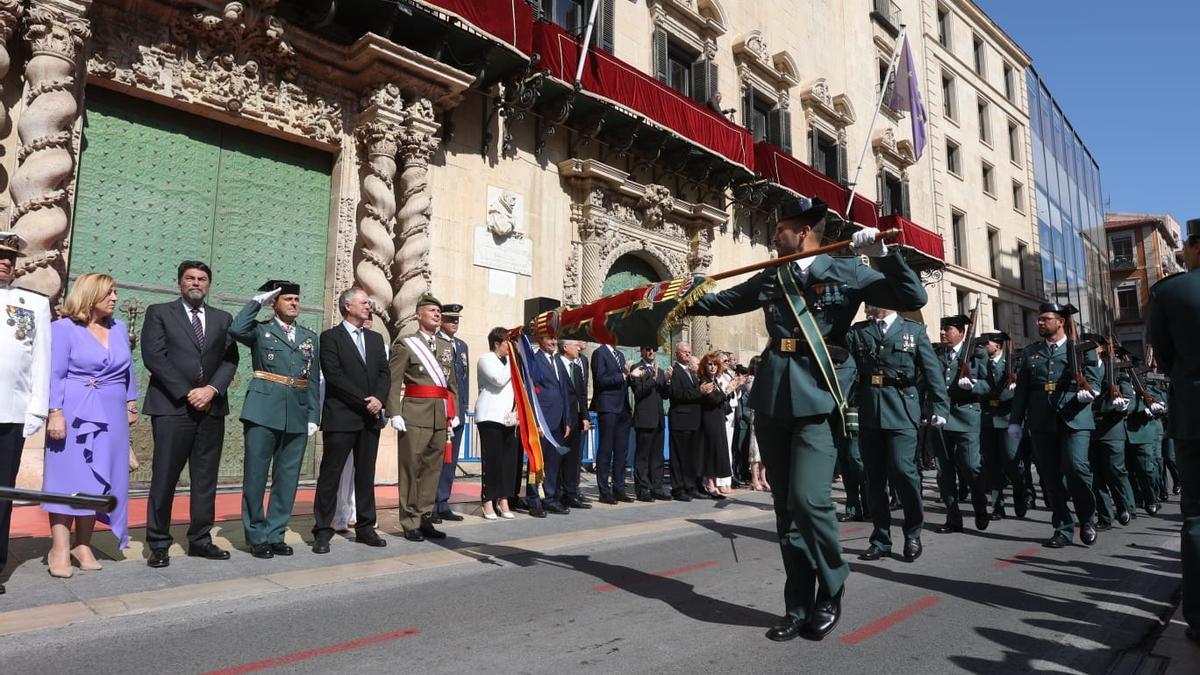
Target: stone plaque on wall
<point>500,242</point>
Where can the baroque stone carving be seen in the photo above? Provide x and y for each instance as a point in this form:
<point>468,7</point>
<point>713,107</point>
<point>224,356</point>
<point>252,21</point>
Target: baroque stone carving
<point>46,161</point>
<point>410,265</point>
<point>656,202</point>
<point>501,216</point>
<point>237,61</point>
<point>10,17</point>
<point>756,45</point>
<point>374,246</point>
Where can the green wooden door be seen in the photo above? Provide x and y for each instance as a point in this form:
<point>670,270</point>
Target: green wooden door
<point>630,271</point>
<point>158,186</point>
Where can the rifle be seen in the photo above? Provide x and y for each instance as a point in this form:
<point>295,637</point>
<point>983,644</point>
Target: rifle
<point>1009,375</point>
<point>101,503</point>
<point>1110,371</point>
<point>1140,388</point>
<point>964,357</point>
<point>1080,379</point>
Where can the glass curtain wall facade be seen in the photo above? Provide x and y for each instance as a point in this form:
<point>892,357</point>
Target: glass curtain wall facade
<point>1070,212</point>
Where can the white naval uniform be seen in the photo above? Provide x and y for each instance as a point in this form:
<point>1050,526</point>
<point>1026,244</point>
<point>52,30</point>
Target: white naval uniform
<point>25,365</point>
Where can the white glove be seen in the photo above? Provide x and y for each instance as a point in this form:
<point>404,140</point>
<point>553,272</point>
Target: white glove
<point>312,429</point>
<point>398,424</point>
<point>1148,413</point>
<point>867,242</point>
<point>454,423</point>
<point>1120,404</point>
<point>937,421</point>
<point>1012,386</point>
<point>1084,396</point>
<point>32,424</point>
<point>1015,431</point>
<point>966,383</point>
<point>265,298</point>
<point>1157,408</point>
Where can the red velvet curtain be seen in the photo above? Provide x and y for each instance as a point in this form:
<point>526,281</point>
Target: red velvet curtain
<point>508,20</point>
<point>916,236</point>
<point>797,176</point>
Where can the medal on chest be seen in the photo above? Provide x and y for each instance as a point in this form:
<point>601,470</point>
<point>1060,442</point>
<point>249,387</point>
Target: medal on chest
<point>21,321</point>
<point>908,343</point>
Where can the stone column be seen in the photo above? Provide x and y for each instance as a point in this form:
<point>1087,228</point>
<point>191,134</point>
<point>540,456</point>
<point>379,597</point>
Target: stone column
<point>11,12</point>
<point>374,246</point>
<point>699,258</point>
<point>56,31</point>
<point>591,232</point>
<point>410,265</point>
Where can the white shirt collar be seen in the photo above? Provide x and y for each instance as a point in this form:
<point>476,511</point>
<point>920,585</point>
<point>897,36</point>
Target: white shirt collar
<point>188,308</point>
<point>1058,343</point>
<point>997,357</point>
<point>887,320</point>
<point>957,348</point>
<point>284,326</point>
<point>804,263</point>
<point>350,328</point>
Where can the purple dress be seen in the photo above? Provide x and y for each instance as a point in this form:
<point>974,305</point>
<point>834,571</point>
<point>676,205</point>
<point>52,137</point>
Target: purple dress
<point>91,384</point>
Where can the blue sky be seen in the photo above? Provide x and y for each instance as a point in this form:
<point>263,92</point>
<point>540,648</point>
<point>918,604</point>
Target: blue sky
<point>1127,75</point>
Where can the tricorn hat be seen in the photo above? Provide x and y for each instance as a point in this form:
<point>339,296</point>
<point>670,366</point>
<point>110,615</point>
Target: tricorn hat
<point>428,299</point>
<point>807,211</point>
<point>999,337</point>
<point>11,242</point>
<point>451,311</point>
<point>286,287</point>
<point>959,321</point>
<point>1061,310</point>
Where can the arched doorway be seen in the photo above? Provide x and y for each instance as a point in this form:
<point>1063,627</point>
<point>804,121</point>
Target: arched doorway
<point>630,271</point>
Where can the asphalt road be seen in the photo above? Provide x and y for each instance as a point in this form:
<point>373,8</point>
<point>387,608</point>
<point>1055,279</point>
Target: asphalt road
<point>694,597</point>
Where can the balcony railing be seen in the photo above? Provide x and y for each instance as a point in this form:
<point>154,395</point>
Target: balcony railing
<point>887,14</point>
<point>1122,264</point>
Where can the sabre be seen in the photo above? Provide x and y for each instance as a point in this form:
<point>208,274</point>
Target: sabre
<point>79,500</point>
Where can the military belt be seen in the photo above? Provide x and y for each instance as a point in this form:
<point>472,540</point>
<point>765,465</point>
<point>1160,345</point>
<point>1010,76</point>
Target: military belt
<point>297,382</point>
<point>881,380</point>
<point>787,345</point>
<point>1050,387</point>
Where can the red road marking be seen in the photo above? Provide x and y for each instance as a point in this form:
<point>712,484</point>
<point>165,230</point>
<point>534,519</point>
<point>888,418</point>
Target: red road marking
<point>1009,562</point>
<point>854,530</point>
<point>313,653</point>
<point>880,625</point>
<point>654,576</point>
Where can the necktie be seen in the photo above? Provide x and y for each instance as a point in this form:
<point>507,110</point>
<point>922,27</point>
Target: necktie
<point>1053,348</point>
<point>577,377</point>
<point>358,342</point>
<point>198,329</point>
<point>291,333</point>
<point>553,370</point>
<point>991,369</point>
<point>882,327</point>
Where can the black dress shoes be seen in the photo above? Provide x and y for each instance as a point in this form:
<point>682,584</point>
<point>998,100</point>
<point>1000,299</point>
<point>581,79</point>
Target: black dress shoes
<point>430,532</point>
<point>556,509</point>
<point>208,551</point>
<point>998,514</point>
<point>1124,517</point>
<point>1152,509</point>
<point>682,497</point>
<point>159,558</point>
<point>414,535</point>
<point>622,497</point>
<point>607,499</point>
<point>1175,489</point>
<point>844,517</point>
<point>824,617</point>
<point>370,539</point>
<point>982,520</point>
<point>873,552</point>
<point>435,518</point>
<point>661,495</point>
<point>1059,540</point>
<point>577,503</point>
<point>1103,526</point>
<point>788,628</point>
<point>262,551</point>
<point>537,511</point>
<point>1087,534</point>
<point>912,549</point>
<point>280,548</point>
<point>949,528</point>
<point>321,546</point>
<point>1021,509</point>
<point>644,497</point>
<point>450,516</point>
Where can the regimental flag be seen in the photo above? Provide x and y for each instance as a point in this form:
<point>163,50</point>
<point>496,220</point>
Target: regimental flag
<point>906,95</point>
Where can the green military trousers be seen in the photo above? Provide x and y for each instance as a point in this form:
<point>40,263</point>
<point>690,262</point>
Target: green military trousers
<point>1168,465</point>
<point>958,454</point>
<point>799,455</point>
<point>280,454</point>
<point>1142,460</point>
<point>853,472</point>
<point>420,452</point>
<point>1110,484</point>
<point>890,458</point>
<point>1188,461</point>
<point>1000,458</point>
<point>1066,474</point>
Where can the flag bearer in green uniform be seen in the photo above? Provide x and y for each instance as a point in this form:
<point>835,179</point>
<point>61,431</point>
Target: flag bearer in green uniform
<point>1059,414</point>
<point>280,412</point>
<point>897,369</point>
<point>1173,326</point>
<point>1000,456</point>
<point>958,449</point>
<point>808,306</point>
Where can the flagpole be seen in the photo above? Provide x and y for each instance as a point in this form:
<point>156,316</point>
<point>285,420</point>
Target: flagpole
<point>887,80</point>
<point>587,40</point>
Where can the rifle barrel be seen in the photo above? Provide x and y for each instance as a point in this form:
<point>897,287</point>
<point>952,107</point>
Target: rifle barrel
<point>101,503</point>
<point>828,248</point>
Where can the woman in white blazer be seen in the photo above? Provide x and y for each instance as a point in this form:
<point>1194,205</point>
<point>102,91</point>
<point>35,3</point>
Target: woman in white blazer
<point>496,420</point>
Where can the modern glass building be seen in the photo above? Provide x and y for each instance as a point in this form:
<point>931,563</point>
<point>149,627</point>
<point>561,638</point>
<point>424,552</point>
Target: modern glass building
<point>1070,212</point>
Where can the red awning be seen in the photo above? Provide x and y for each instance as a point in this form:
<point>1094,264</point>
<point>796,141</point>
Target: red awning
<point>777,165</point>
<point>608,77</point>
<point>510,21</point>
<point>925,241</point>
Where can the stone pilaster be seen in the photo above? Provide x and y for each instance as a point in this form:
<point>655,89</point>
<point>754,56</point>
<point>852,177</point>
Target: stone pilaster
<point>699,259</point>
<point>410,265</point>
<point>380,134</point>
<point>11,12</point>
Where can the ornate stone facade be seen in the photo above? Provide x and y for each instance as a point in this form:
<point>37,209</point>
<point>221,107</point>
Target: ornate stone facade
<point>418,141</point>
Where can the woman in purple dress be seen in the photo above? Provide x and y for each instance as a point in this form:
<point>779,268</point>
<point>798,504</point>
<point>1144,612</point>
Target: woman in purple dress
<point>93,397</point>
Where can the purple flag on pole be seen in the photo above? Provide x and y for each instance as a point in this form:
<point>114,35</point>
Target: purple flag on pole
<point>906,95</point>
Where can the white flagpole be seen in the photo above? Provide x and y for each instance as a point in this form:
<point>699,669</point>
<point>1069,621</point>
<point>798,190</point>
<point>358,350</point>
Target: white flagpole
<point>587,40</point>
<point>887,80</point>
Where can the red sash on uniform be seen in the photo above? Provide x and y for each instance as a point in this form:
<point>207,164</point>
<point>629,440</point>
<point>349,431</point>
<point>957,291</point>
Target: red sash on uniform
<point>434,391</point>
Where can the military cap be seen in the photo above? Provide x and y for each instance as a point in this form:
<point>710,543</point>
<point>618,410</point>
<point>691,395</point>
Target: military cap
<point>428,299</point>
<point>1192,228</point>
<point>959,321</point>
<point>1061,310</point>
<point>806,211</point>
<point>11,242</point>
<point>451,311</point>
<point>999,337</point>
<point>286,287</point>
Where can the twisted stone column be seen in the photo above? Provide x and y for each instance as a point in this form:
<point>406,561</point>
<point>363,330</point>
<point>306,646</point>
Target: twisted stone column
<point>10,16</point>
<point>56,33</point>
<point>410,265</point>
<point>699,259</point>
<point>374,247</point>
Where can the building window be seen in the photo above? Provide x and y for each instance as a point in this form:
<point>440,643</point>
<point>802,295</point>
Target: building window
<point>573,15</point>
<point>1010,83</point>
<point>943,26</point>
<point>827,156</point>
<point>952,158</point>
<point>1018,195</point>
<point>679,70</point>
<point>893,194</point>
<point>949,104</point>
<point>987,175</point>
<point>979,51</point>
<point>1128,306</point>
<point>958,228</point>
<point>996,313</point>
<point>985,122</point>
<point>1014,143</point>
<point>964,301</point>
<point>1022,253</point>
<point>1029,321</point>
<point>1121,249</point>
<point>993,241</point>
<point>884,67</point>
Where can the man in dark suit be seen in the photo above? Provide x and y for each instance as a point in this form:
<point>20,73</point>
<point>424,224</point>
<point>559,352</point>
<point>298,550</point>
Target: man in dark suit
<point>610,400</point>
<point>462,375</point>
<point>555,399</point>
<point>576,365</point>
<point>191,358</point>
<point>684,392</point>
<point>649,384</point>
<point>357,381</point>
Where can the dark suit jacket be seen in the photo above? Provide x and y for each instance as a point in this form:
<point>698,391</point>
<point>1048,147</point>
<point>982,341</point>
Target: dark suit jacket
<point>578,394</point>
<point>685,399</point>
<point>553,394</point>
<point>648,394</point>
<point>348,381</point>
<point>610,390</point>
<point>174,360</point>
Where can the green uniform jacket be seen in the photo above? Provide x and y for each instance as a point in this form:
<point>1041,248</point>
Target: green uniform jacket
<point>964,404</point>
<point>1173,325</point>
<point>1138,427</point>
<point>904,353</point>
<point>406,368</point>
<point>996,402</point>
<point>1110,422</point>
<point>1041,410</point>
<point>791,384</point>
<point>271,404</point>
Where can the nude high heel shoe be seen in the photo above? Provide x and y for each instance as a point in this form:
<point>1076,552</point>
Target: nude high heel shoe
<point>86,559</point>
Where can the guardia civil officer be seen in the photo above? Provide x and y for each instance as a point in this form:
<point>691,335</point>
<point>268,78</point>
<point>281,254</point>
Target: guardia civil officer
<point>963,370</point>
<point>1000,454</point>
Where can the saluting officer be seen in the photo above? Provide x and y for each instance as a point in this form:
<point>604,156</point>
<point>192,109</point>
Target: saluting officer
<point>808,306</point>
<point>896,370</point>
<point>1110,484</point>
<point>1000,458</point>
<point>958,446</point>
<point>281,410</point>
<point>1173,325</point>
<point>1059,414</point>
